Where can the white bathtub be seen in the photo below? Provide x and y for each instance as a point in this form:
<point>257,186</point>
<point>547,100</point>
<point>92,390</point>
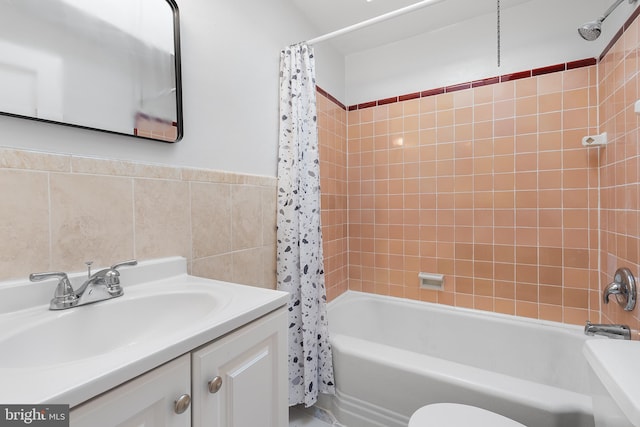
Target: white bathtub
<point>392,356</point>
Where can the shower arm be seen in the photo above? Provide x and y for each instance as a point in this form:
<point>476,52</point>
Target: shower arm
<point>611,9</point>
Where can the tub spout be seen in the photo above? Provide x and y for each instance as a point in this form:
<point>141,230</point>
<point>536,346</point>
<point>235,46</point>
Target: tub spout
<point>620,332</point>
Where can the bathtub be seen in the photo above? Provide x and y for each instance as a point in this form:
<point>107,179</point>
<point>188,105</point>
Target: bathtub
<point>391,356</point>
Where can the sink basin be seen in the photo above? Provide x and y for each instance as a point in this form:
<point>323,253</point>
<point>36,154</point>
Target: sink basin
<point>57,337</point>
<point>69,356</point>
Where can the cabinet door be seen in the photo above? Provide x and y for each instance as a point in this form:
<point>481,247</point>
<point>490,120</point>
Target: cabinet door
<point>146,401</point>
<point>250,367</point>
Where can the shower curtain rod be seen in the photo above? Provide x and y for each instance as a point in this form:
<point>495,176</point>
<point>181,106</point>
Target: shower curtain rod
<point>375,20</point>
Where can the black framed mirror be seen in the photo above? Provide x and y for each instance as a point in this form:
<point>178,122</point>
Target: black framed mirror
<point>108,65</point>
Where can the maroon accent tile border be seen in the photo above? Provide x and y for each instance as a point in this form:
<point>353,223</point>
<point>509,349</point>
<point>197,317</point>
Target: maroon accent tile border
<point>387,101</point>
<point>587,62</point>
<point>455,88</point>
<point>431,92</point>
<point>330,97</point>
<point>483,82</point>
<point>549,69</point>
<point>367,105</point>
<point>322,91</point>
<point>515,76</point>
<point>634,15</point>
<point>581,63</point>
<point>409,96</point>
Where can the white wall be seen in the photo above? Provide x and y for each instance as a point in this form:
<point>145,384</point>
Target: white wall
<point>467,51</point>
<point>230,54</point>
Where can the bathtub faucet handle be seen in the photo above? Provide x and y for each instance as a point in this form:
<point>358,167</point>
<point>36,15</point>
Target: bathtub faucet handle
<point>623,287</point>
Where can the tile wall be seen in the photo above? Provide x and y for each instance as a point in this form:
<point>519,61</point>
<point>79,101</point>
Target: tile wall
<point>487,182</point>
<point>59,211</point>
<point>489,186</point>
<point>332,134</point>
<point>620,188</point>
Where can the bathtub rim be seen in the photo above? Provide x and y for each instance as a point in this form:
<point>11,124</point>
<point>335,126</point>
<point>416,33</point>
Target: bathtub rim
<point>351,295</point>
<point>351,406</point>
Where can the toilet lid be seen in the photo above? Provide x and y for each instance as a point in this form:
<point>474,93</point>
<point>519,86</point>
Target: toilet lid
<point>456,415</point>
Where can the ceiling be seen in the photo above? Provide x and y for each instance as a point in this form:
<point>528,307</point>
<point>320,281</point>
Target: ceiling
<point>331,15</point>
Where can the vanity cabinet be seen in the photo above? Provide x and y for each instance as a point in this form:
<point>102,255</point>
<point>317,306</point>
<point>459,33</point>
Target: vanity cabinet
<point>238,380</point>
<point>241,379</point>
<point>146,401</point>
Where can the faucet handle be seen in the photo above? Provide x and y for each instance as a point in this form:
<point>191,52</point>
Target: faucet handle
<point>112,277</point>
<point>131,262</point>
<point>623,287</point>
<point>64,295</point>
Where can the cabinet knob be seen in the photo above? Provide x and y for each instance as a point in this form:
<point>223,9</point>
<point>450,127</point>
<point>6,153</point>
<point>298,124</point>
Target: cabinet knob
<point>182,404</point>
<point>215,384</point>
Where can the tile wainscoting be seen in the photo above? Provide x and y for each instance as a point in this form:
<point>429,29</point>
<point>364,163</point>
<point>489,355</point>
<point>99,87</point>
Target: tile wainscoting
<point>59,211</point>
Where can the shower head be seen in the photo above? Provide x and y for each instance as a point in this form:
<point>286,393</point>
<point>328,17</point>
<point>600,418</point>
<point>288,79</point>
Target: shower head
<point>591,30</point>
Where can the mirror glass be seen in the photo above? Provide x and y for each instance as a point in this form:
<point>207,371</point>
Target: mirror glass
<point>110,65</point>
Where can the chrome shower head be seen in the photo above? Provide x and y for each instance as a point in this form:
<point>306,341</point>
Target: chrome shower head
<point>591,30</point>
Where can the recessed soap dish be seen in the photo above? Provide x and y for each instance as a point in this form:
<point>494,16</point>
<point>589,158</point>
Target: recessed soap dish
<point>431,281</point>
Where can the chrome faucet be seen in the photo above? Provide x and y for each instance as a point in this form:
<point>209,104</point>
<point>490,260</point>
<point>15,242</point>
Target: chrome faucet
<point>105,284</point>
<point>63,297</point>
<point>623,287</point>
<point>619,332</point>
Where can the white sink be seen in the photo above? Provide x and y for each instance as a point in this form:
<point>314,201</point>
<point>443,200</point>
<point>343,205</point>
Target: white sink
<point>66,336</point>
<point>69,356</point>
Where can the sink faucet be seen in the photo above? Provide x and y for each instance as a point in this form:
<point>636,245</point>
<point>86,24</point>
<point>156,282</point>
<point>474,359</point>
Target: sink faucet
<point>620,332</point>
<point>105,284</point>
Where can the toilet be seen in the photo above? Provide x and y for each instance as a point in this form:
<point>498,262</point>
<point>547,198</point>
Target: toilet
<point>457,415</point>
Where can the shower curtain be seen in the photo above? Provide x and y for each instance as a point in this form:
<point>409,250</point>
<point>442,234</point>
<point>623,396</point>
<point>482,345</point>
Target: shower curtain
<point>299,249</point>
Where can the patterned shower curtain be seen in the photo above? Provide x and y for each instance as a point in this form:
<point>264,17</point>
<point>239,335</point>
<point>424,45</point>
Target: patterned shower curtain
<point>300,263</point>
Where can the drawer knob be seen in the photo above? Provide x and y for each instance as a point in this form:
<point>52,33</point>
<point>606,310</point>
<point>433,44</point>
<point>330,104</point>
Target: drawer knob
<point>182,404</point>
<point>215,384</point>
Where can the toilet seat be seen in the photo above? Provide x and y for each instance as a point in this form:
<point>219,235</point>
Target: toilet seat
<point>457,415</point>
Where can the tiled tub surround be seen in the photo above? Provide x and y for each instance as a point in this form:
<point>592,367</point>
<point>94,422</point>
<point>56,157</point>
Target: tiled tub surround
<point>59,211</point>
<point>619,84</point>
<point>332,133</point>
<point>489,186</point>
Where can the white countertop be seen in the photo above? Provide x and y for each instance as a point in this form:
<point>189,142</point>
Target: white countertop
<point>75,382</point>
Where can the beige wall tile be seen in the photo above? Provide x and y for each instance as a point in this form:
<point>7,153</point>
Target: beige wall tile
<point>162,218</point>
<point>91,219</point>
<point>247,267</point>
<point>216,267</point>
<point>269,266</point>
<point>246,212</point>
<point>210,219</point>
<point>123,168</point>
<point>269,215</point>
<point>24,223</point>
<point>31,160</point>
